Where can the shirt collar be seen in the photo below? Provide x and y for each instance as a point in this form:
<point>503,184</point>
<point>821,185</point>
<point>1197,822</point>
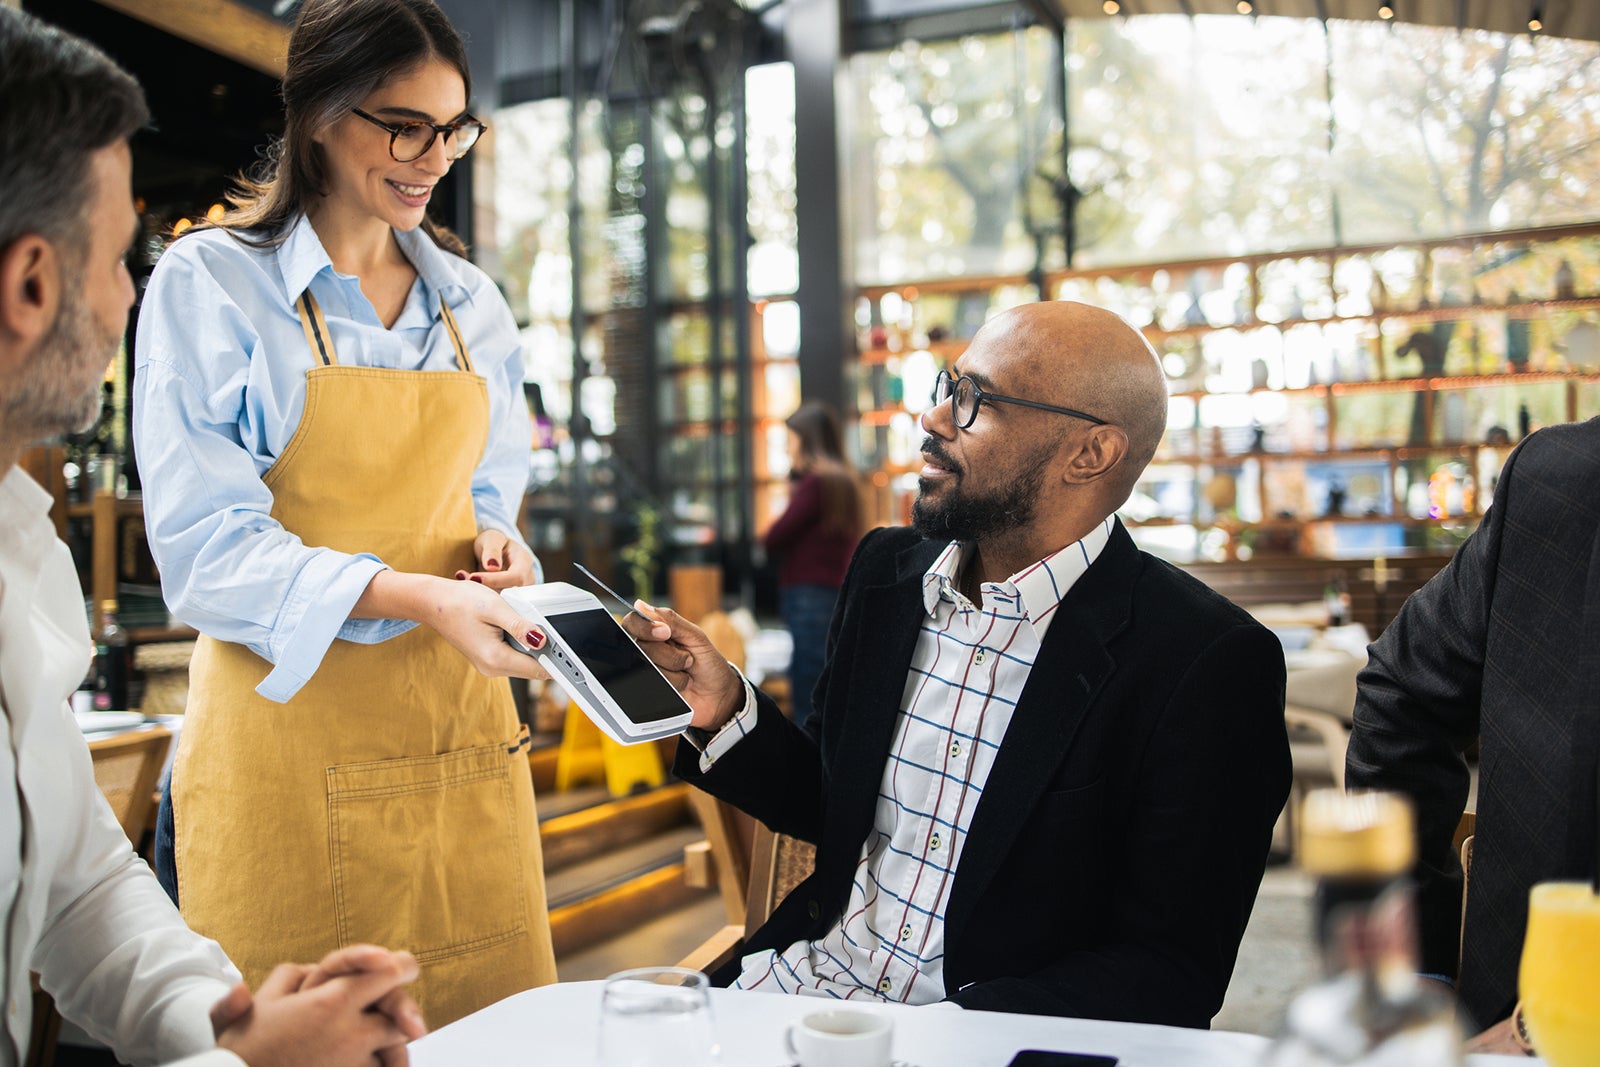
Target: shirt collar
<point>301,258</point>
<point>1040,587</point>
<point>26,532</point>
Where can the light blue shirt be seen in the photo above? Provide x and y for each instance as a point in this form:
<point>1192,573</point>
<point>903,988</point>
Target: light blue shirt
<point>219,386</point>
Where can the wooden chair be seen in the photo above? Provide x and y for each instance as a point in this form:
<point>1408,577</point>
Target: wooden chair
<point>126,767</point>
<point>777,864</point>
<point>1466,830</point>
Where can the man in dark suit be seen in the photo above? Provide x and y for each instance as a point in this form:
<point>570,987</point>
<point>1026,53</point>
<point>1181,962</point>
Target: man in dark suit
<point>1043,766</point>
<point>1500,647</point>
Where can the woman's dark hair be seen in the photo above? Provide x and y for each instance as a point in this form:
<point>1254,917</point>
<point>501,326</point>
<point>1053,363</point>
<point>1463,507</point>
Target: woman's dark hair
<point>341,51</point>
<point>817,428</point>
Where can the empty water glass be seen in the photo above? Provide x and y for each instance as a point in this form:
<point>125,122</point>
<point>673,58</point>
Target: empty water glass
<point>657,1017</point>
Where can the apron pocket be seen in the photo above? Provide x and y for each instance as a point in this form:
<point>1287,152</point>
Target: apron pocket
<point>425,851</point>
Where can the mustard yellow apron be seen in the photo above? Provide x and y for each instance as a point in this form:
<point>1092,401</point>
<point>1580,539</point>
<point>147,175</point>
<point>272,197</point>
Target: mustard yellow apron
<point>390,800</point>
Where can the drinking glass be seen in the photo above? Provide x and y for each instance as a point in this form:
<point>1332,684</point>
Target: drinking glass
<point>657,1017</point>
<point>1560,977</point>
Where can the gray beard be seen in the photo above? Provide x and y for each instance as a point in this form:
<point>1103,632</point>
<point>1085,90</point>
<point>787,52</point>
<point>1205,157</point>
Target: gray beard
<point>52,398</point>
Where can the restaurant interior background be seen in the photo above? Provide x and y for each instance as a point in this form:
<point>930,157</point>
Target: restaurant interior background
<point>1364,237</point>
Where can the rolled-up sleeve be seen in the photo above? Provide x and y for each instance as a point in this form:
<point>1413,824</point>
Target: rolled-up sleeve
<point>227,567</point>
<point>502,476</point>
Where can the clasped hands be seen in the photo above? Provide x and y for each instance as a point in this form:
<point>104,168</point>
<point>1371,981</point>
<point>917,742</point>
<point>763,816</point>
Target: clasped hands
<point>351,1009</point>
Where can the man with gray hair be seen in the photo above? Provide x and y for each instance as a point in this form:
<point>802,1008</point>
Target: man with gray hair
<point>83,911</point>
<point>1042,767</point>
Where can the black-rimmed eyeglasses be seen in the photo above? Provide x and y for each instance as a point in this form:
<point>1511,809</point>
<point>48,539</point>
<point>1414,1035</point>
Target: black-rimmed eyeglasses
<point>966,396</point>
<point>411,140</point>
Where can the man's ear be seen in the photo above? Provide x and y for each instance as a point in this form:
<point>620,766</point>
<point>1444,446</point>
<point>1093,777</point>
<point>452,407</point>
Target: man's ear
<point>1103,448</point>
<point>30,293</point>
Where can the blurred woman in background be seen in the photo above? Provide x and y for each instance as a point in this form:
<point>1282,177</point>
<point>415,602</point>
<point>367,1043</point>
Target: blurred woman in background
<point>815,537</point>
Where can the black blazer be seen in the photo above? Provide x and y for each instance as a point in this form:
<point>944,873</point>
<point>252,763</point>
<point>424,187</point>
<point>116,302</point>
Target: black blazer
<point>1113,860</point>
<point>1502,645</point>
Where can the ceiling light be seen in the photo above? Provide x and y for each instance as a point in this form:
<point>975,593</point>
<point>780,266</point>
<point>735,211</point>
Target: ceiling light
<point>1111,7</point>
<point>1385,12</point>
<point>1244,7</point>
<point>1536,20</point>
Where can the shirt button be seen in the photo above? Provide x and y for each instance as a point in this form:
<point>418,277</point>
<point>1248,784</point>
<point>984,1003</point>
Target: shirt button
<point>905,932</point>
<point>884,985</point>
<point>934,844</point>
<point>955,749</point>
<point>983,654</point>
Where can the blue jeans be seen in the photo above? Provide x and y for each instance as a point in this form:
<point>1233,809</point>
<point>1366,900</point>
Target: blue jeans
<point>166,842</point>
<point>807,610</point>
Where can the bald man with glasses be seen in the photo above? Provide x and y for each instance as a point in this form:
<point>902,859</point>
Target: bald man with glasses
<point>1043,766</point>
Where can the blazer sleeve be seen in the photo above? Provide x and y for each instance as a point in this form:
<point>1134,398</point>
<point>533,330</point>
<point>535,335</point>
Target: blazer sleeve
<point>777,772</point>
<point>1209,788</point>
<point>1417,705</point>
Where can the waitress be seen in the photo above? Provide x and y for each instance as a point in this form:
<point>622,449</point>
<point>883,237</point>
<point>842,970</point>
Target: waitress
<point>333,445</point>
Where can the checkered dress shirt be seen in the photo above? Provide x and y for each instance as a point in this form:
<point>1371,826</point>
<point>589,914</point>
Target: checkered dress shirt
<point>967,672</point>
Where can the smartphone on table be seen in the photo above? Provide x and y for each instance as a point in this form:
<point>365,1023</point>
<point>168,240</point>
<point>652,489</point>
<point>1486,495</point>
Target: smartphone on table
<point>1033,1057</point>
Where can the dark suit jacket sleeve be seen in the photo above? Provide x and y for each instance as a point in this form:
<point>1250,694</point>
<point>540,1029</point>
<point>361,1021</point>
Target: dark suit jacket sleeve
<point>1210,786</point>
<point>776,773</point>
<point>1416,712</point>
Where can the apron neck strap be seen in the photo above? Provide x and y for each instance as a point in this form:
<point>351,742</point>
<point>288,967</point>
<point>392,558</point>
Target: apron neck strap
<point>320,341</point>
<point>455,336</point>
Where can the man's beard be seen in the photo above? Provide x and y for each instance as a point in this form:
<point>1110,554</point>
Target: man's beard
<point>960,517</point>
<point>60,391</point>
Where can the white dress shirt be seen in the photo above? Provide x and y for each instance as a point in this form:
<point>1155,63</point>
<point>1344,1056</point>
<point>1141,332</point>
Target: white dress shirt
<point>968,669</point>
<point>80,908</point>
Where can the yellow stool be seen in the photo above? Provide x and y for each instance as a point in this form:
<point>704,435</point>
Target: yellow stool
<point>587,755</point>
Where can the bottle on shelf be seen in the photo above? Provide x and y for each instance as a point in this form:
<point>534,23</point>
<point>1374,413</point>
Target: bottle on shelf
<point>1370,1007</point>
<point>1336,599</point>
<point>111,656</point>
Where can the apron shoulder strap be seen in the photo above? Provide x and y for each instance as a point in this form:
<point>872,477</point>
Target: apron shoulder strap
<point>455,336</point>
<point>318,339</point>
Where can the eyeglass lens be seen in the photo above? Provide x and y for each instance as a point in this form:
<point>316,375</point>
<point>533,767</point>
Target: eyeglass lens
<point>965,407</point>
<point>415,138</point>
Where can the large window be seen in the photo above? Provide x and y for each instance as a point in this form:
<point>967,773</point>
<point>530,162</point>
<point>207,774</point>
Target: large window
<point>1210,136</point>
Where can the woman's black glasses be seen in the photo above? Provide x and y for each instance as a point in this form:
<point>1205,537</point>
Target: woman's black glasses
<point>411,140</point>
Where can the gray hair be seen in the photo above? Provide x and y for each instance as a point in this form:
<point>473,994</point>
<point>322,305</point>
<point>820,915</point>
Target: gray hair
<point>61,100</point>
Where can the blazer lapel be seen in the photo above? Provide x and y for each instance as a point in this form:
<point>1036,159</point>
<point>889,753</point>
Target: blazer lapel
<point>1060,693</point>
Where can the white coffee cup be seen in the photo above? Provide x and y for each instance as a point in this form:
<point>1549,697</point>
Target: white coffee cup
<point>841,1039</point>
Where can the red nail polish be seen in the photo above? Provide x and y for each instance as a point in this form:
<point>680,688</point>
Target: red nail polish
<point>492,565</point>
<point>460,575</point>
<point>476,578</point>
<point>535,639</point>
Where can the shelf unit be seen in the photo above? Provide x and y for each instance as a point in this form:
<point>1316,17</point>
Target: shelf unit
<point>1291,372</point>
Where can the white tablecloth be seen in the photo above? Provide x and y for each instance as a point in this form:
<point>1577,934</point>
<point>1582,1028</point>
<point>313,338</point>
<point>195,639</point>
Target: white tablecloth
<point>555,1027</point>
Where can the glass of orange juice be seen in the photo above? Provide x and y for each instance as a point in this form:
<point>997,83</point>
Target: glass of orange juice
<point>1560,977</point>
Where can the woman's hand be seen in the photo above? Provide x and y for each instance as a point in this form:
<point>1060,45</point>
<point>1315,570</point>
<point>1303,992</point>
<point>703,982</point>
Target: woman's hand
<point>503,562</point>
<point>473,618</point>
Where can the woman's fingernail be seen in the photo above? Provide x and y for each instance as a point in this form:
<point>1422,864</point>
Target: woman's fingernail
<point>491,565</point>
<point>476,578</point>
<point>460,575</point>
<point>535,639</point>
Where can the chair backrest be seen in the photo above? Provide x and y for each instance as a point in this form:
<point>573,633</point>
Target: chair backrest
<point>1466,830</point>
<point>778,863</point>
<point>126,767</point>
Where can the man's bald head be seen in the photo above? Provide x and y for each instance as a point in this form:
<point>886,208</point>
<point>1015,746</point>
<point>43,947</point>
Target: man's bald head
<point>1083,357</point>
